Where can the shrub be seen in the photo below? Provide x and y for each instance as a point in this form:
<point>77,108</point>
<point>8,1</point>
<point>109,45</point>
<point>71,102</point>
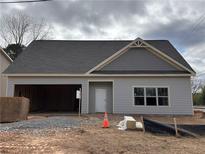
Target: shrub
<point>199,98</point>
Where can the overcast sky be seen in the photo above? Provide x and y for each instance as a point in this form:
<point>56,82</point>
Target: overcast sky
<point>182,22</point>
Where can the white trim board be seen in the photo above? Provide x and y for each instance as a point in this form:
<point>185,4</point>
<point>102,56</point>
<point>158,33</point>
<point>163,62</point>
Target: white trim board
<point>96,75</point>
<point>138,42</point>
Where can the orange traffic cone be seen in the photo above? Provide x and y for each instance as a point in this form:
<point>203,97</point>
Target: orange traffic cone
<point>105,121</point>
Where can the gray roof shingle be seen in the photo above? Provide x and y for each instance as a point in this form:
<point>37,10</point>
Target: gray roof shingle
<point>75,57</point>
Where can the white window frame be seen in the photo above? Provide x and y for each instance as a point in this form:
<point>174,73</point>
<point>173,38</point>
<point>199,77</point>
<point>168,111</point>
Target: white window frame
<point>145,96</point>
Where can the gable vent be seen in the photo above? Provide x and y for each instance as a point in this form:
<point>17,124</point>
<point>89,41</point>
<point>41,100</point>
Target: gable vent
<point>138,44</point>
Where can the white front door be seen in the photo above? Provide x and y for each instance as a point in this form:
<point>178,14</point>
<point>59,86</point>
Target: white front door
<point>100,100</point>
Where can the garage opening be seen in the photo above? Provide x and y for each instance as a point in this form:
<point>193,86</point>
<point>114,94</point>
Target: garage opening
<point>50,98</point>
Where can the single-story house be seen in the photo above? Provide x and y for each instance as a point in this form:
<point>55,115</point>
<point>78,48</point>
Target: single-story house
<point>5,61</point>
<point>121,76</point>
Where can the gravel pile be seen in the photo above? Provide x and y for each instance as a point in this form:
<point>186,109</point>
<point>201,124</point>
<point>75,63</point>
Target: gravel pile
<point>47,123</point>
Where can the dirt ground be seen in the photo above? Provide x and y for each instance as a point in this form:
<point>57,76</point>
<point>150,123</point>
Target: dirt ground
<point>91,138</point>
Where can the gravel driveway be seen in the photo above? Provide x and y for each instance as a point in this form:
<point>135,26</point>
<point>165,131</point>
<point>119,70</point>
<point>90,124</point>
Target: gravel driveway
<point>45,123</point>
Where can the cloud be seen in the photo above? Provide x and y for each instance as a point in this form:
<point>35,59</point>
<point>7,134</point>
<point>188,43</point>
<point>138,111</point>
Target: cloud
<point>195,55</point>
<point>181,22</point>
<point>178,21</point>
<point>122,19</point>
<point>86,15</point>
<point>93,18</point>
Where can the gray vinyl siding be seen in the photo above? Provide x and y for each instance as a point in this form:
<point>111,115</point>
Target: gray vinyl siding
<point>180,97</point>
<point>4,63</point>
<point>91,98</point>
<point>139,59</point>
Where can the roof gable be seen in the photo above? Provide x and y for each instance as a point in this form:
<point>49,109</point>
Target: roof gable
<point>139,43</point>
<point>139,59</point>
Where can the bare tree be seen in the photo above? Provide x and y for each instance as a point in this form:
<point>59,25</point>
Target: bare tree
<point>40,30</point>
<point>20,28</point>
<point>196,85</point>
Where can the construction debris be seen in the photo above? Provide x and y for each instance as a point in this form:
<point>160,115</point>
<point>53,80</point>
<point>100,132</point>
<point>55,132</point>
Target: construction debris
<point>129,123</point>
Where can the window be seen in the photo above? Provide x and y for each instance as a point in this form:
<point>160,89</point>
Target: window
<point>151,96</point>
<point>163,96</point>
<point>139,96</point>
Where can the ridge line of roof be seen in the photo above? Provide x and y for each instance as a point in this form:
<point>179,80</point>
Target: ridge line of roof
<point>93,40</point>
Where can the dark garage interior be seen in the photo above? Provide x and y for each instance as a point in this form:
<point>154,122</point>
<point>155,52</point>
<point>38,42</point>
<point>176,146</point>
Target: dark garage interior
<point>50,98</point>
